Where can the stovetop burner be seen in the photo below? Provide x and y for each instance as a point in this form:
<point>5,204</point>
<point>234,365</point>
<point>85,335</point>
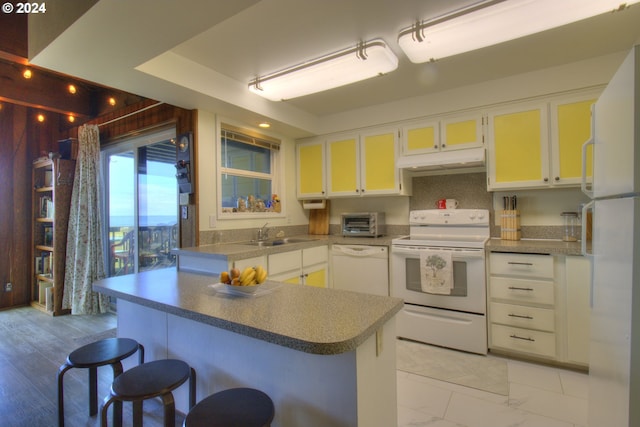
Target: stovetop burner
<point>455,228</point>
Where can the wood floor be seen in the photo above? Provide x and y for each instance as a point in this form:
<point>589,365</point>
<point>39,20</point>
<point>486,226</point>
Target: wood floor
<point>33,345</point>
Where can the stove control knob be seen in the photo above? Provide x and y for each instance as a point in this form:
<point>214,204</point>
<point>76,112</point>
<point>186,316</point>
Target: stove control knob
<point>472,215</point>
<point>480,215</point>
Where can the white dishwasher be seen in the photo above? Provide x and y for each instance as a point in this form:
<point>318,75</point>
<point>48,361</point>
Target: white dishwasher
<point>360,268</point>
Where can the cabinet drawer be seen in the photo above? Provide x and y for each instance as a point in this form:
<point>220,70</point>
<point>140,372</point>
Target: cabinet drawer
<point>285,261</point>
<point>522,316</point>
<point>315,255</point>
<point>522,265</point>
<point>521,290</point>
<point>524,340</point>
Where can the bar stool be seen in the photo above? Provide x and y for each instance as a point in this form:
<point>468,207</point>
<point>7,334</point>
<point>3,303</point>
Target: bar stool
<point>110,351</point>
<point>146,381</point>
<point>236,407</point>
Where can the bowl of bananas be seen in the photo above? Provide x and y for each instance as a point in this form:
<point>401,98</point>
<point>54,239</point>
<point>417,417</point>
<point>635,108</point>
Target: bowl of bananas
<point>247,280</point>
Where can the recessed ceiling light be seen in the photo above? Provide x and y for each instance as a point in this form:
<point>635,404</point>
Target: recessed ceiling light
<point>72,89</point>
<point>112,101</point>
<point>40,118</point>
<point>27,74</point>
<point>71,118</point>
<point>265,125</point>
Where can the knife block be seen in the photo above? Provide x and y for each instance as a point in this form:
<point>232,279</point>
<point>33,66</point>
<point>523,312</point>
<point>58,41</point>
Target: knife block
<point>510,225</point>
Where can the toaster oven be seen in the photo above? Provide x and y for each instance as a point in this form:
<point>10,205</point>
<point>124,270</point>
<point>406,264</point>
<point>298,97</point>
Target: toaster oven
<point>364,224</point>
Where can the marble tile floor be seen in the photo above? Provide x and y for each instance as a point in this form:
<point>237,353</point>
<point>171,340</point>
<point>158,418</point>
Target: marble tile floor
<point>33,345</point>
<point>539,396</point>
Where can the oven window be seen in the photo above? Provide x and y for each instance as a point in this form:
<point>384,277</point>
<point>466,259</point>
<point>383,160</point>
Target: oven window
<point>459,277</point>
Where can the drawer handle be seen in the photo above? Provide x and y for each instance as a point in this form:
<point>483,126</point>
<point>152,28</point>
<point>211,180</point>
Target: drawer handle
<point>519,316</point>
<point>522,338</point>
<point>520,263</point>
<point>516,288</point>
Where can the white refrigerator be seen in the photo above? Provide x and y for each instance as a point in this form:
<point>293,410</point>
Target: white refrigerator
<point>614,365</point>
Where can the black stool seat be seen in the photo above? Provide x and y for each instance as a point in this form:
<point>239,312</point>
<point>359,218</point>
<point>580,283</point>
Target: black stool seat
<point>148,380</point>
<point>110,351</point>
<point>236,407</point>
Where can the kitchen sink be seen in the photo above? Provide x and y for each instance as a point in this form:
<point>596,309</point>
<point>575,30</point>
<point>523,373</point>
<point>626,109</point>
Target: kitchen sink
<point>277,242</point>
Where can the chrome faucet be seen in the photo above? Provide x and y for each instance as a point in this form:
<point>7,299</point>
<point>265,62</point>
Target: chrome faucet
<point>263,232</point>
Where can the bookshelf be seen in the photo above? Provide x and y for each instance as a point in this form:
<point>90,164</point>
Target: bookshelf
<point>52,186</point>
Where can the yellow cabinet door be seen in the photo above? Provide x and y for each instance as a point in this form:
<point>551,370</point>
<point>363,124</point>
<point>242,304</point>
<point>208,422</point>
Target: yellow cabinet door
<point>420,137</point>
<point>316,277</point>
<point>570,129</point>
<point>378,163</point>
<point>310,162</point>
<point>518,154</point>
<point>344,171</point>
<point>460,132</point>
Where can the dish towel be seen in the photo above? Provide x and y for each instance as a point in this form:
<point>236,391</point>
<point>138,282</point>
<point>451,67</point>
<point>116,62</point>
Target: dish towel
<point>436,272</point>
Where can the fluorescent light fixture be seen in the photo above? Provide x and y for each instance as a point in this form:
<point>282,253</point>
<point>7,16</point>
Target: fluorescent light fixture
<point>366,60</point>
<point>491,22</point>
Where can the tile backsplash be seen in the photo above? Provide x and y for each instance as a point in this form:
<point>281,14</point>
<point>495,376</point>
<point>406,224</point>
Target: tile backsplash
<point>470,190</point>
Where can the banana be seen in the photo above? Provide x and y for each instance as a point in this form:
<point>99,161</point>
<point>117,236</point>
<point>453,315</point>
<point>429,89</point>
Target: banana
<point>245,273</point>
<point>261,274</point>
<point>248,278</point>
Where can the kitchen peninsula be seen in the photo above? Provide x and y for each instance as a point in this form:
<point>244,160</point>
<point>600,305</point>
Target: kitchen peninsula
<point>325,357</point>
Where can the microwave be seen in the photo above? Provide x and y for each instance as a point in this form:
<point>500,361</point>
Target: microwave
<point>364,224</point>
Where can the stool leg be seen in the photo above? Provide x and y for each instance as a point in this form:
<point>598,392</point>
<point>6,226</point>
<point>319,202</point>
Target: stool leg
<point>140,354</point>
<point>169,410</point>
<point>63,368</point>
<point>117,369</point>
<point>137,413</point>
<point>117,421</point>
<point>93,391</point>
<point>192,389</point>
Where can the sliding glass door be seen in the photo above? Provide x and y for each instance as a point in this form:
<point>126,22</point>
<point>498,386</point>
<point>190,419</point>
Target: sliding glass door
<point>141,203</point>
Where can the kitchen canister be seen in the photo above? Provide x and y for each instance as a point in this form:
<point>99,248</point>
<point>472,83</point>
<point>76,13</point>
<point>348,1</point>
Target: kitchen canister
<point>570,229</point>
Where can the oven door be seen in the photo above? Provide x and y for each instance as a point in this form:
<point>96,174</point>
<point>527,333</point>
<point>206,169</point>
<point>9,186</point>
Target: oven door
<point>468,293</point>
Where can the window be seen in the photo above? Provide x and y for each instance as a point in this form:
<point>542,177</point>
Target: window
<point>249,164</point>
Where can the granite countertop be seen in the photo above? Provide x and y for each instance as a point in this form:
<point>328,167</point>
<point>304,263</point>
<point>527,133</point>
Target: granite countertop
<point>234,251</point>
<point>553,247</point>
<point>305,318</point>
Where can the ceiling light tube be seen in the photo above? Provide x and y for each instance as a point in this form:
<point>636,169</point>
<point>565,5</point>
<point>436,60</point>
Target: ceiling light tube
<point>491,22</point>
<point>366,60</point>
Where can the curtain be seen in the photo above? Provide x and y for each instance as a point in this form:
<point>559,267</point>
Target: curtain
<point>85,261</point>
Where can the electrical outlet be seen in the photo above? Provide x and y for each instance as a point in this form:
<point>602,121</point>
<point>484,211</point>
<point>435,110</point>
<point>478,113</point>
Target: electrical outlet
<point>8,287</point>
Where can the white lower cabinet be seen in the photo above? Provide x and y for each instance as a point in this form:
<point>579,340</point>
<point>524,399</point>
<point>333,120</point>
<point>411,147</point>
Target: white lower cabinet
<point>522,304</point>
<point>241,264</point>
<point>578,309</point>
<point>539,306</point>
<point>303,266</point>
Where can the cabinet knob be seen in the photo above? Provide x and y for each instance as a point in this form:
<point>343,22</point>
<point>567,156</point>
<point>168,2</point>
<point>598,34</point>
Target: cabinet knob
<point>546,179</point>
<point>435,146</point>
<point>557,178</point>
<point>443,145</point>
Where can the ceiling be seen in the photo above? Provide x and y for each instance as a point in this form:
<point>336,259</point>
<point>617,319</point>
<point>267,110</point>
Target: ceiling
<point>202,53</point>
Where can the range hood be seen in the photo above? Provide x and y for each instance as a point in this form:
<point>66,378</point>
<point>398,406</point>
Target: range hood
<point>443,160</point>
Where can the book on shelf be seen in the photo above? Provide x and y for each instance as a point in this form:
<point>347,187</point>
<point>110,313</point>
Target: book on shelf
<point>42,291</point>
<point>44,264</point>
<point>48,236</point>
<point>46,207</point>
<point>48,179</point>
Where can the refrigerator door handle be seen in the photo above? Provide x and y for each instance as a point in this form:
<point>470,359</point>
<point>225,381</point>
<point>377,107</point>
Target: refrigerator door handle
<point>583,242</point>
<point>583,247</point>
<point>590,142</point>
